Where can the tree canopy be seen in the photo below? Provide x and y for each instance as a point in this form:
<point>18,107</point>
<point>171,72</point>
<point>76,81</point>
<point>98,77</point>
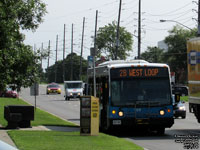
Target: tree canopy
<point>57,69</point>
<point>153,54</point>
<point>17,60</point>
<point>176,56</point>
<point>106,42</point>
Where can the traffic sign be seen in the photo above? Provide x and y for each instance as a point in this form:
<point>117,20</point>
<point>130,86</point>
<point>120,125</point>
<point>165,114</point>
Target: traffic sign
<point>34,90</point>
<point>90,61</point>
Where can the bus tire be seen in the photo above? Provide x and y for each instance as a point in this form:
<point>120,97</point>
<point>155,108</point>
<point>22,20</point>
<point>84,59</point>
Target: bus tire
<point>161,131</point>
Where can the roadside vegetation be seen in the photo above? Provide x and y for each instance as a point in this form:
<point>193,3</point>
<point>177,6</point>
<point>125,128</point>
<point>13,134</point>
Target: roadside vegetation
<point>55,140</point>
<point>184,98</point>
<point>41,117</point>
<point>51,140</point>
<point>18,61</point>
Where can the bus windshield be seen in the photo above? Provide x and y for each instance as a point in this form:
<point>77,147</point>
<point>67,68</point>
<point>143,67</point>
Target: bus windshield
<point>140,91</point>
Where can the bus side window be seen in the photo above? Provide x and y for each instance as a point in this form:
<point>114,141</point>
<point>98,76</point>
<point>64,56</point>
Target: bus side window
<point>90,86</point>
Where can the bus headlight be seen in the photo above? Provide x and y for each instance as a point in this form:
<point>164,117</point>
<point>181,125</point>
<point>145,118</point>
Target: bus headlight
<point>162,112</point>
<point>113,112</point>
<point>121,113</point>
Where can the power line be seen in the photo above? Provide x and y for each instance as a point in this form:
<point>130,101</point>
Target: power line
<point>164,14</point>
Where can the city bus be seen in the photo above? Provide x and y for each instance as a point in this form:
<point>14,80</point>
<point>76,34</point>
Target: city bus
<point>133,93</point>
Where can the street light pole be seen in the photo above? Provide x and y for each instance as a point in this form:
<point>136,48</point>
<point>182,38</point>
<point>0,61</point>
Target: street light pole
<point>176,22</point>
<point>139,29</point>
<point>198,32</point>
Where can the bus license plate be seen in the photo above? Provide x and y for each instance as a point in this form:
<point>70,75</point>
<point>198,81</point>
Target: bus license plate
<point>117,122</point>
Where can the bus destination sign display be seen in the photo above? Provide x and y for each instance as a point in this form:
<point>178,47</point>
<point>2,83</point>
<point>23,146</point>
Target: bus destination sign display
<point>138,72</point>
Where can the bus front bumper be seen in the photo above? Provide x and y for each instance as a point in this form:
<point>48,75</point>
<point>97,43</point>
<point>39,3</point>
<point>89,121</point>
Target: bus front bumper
<point>151,122</point>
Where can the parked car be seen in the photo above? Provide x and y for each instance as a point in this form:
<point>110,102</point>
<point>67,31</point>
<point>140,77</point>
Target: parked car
<point>179,109</point>
<point>53,88</point>
<point>5,146</point>
<point>183,90</point>
<point>9,92</point>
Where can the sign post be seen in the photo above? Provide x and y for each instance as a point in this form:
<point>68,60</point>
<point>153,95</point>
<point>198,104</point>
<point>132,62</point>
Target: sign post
<point>89,115</point>
<point>34,91</point>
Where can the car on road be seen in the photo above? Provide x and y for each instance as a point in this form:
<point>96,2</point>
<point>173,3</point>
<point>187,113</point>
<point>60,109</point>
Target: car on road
<point>9,92</point>
<point>179,109</point>
<point>183,90</point>
<point>53,88</point>
<point>73,89</point>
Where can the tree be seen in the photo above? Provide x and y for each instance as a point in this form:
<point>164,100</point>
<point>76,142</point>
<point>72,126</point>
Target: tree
<point>153,54</point>
<point>106,42</point>
<point>50,72</point>
<point>176,56</point>
<point>17,60</point>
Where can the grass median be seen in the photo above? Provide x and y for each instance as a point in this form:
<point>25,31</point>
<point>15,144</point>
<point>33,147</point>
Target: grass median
<point>54,140</point>
<point>51,140</point>
<point>41,117</point>
<point>184,98</point>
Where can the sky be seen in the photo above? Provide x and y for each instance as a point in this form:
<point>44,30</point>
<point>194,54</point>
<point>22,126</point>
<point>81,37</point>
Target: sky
<point>70,12</point>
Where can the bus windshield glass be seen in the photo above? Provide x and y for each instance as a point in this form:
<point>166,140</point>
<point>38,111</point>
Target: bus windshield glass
<point>74,85</point>
<point>151,91</point>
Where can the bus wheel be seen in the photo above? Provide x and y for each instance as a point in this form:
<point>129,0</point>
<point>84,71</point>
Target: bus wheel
<point>161,131</point>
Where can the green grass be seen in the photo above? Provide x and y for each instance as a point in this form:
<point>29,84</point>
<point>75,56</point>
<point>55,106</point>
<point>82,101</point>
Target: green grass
<point>41,117</point>
<point>184,98</point>
<point>51,140</point>
<point>54,140</point>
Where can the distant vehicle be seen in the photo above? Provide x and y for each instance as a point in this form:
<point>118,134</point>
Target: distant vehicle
<point>183,90</point>
<point>53,88</point>
<point>9,92</point>
<point>179,109</point>
<point>73,89</point>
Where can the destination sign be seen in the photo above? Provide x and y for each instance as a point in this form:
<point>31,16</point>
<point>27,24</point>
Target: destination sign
<point>139,72</point>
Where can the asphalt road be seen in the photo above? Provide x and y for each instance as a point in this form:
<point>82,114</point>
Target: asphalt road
<point>54,103</point>
<point>70,110</point>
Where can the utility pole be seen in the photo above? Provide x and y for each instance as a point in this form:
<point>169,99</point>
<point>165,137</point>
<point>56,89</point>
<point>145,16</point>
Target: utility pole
<point>82,49</point>
<point>64,55</point>
<point>48,54</point>
<point>198,34</point>
<point>139,29</point>
<point>118,23</point>
<point>41,55</point>
<point>56,58</point>
<point>71,62</point>
<point>94,57</point>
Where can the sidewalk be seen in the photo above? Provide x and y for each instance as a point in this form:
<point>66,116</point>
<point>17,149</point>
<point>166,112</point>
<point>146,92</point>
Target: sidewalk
<point>6,138</point>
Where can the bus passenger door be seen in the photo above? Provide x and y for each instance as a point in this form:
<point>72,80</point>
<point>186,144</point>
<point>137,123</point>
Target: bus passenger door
<point>104,102</point>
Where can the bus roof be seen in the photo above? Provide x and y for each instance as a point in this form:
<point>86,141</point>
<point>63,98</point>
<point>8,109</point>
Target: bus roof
<point>73,81</point>
<point>130,63</point>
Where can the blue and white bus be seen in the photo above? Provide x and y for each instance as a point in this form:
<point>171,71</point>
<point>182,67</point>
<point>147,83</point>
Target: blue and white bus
<point>133,93</point>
